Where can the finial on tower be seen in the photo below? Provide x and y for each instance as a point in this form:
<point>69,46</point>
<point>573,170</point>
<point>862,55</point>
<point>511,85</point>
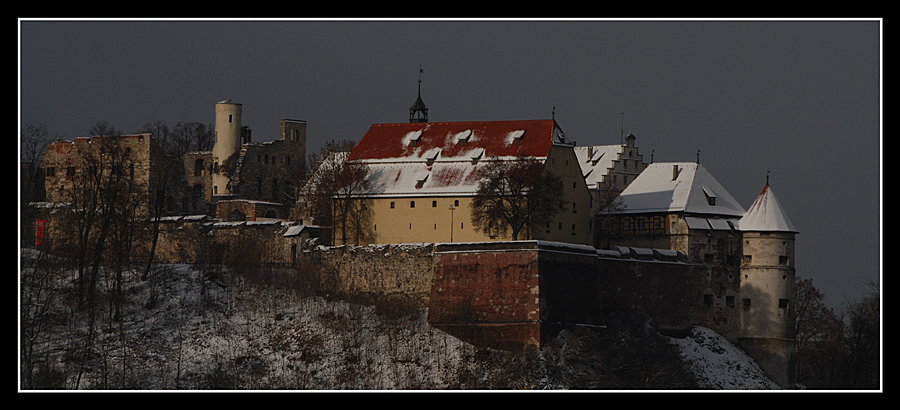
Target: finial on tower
<point>767,178</point>
<point>698,156</point>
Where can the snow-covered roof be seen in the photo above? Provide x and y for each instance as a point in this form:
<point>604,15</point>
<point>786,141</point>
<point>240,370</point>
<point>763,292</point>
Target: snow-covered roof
<point>766,214</point>
<point>295,230</point>
<point>443,158</point>
<point>679,187</point>
<point>334,160</point>
<point>595,161</point>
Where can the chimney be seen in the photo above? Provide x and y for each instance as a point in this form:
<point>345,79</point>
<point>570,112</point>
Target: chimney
<point>674,172</point>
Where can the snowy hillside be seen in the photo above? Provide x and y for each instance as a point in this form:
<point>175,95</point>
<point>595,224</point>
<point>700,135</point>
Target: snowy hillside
<point>187,329</point>
<point>717,364</point>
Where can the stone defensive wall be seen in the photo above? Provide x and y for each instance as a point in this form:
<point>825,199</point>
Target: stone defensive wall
<point>518,295</point>
<point>510,295</point>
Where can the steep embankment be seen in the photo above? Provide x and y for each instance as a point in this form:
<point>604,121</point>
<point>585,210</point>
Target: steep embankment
<point>186,329</point>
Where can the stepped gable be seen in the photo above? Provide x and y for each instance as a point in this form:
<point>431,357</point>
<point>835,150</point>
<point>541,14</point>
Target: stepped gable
<point>679,187</point>
<point>596,160</point>
<point>766,214</point>
<point>444,157</point>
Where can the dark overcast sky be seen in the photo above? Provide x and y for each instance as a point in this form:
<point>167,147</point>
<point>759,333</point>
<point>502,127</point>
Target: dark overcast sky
<point>798,99</point>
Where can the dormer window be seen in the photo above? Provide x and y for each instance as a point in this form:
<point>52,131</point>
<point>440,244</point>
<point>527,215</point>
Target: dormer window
<point>463,138</point>
<point>420,180</point>
<point>517,137</point>
<point>477,155</point>
<point>414,138</point>
<point>432,155</point>
<point>710,196</point>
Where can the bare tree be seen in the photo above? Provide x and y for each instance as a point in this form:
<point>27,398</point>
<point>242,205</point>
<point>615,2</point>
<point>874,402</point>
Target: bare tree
<point>609,206</point>
<point>331,189</point>
<point>515,195</point>
<point>351,214</point>
<point>862,369</point>
<point>192,136</point>
<point>166,153</point>
<point>837,351</point>
<point>33,142</point>
<point>818,335</point>
<point>42,289</point>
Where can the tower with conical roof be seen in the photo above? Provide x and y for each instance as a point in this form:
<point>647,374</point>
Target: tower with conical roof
<point>418,112</point>
<point>767,287</point>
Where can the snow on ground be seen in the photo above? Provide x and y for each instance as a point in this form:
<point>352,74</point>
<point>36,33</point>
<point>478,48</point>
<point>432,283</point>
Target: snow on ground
<point>718,364</point>
<point>186,330</point>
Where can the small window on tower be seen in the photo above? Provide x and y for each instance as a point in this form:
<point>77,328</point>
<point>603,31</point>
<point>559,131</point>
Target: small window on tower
<point>782,303</point>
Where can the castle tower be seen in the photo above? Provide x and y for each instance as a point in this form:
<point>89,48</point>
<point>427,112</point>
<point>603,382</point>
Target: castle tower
<point>228,141</point>
<point>767,288</point>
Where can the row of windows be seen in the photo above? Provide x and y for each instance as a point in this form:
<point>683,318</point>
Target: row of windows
<point>783,260</point>
<point>434,204</point>
<point>92,170</point>
<point>264,158</point>
<point>412,204</point>
<point>461,226</point>
<point>642,223</point>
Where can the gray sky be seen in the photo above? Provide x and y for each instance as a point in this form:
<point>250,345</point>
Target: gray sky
<point>798,99</point>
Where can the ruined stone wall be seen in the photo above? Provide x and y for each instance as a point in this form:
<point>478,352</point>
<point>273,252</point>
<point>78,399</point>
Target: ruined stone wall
<point>198,177</point>
<point>69,163</point>
<point>269,171</point>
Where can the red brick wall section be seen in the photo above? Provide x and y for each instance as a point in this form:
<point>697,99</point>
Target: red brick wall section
<point>484,295</point>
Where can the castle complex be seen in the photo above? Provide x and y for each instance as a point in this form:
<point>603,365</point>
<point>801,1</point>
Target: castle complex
<point>665,239</point>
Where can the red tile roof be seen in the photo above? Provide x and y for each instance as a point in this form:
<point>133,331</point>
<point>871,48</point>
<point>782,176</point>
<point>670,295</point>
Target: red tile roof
<point>393,141</point>
<point>444,158</point>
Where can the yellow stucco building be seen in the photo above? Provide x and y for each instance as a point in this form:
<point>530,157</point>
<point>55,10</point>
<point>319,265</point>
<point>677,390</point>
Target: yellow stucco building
<point>423,176</point>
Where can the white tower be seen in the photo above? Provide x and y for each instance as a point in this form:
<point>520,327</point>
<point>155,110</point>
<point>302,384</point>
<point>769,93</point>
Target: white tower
<point>228,141</point>
<point>767,287</point>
